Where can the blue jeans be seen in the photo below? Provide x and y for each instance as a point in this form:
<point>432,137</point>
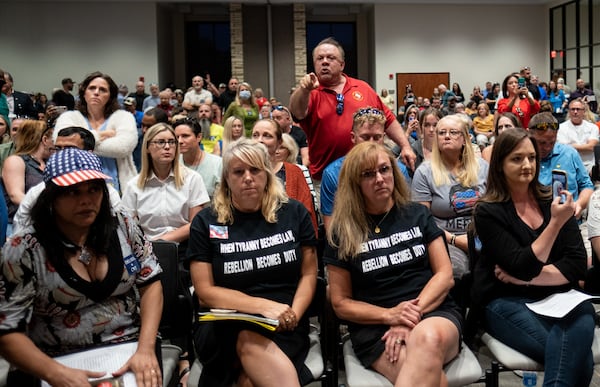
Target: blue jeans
<point>562,345</point>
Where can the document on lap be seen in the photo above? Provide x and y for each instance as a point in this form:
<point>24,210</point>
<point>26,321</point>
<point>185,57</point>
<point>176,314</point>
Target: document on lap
<point>221,315</point>
<point>560,304</point>
<point>104,359</point>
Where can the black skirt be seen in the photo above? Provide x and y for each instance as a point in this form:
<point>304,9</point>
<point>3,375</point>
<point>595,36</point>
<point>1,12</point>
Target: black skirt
<point>216,342</point>
<point>366,339</point>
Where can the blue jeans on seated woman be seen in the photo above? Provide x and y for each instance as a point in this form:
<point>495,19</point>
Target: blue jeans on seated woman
<point>562,345</point>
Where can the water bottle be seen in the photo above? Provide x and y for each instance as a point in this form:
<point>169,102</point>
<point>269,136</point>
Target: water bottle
<point>529,378</point>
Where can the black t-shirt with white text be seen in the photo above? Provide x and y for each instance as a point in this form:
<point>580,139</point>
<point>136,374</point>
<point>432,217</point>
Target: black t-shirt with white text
<point>394,265</point>
<point>251,255</point>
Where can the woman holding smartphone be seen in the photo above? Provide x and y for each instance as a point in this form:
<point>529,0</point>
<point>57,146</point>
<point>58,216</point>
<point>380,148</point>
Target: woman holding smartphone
<point>531,249</point>
<point>411,123</point>
<point>517,99</point>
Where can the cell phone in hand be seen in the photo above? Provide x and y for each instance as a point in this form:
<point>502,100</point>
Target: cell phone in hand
<point>521,82</point>
<point>559,183</point>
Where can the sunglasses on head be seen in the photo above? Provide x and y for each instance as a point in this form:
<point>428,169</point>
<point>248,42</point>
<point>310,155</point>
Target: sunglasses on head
<point>280,108</point>
<point>543,126</point>
<point>364,111</point>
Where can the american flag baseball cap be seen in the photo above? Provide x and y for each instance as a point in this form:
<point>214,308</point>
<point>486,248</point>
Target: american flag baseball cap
<point>72,166</point>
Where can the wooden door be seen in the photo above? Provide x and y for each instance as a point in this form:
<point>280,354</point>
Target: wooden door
<point>422,84</point>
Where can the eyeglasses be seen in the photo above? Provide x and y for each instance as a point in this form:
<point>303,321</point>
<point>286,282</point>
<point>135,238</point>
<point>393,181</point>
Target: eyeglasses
<point>575,109</point>
<point>451,133</point>
<point>163,143</point>
<point>339,109</point>
<point>543,126</point>
<point>384,170</point>
<point>364,111</point>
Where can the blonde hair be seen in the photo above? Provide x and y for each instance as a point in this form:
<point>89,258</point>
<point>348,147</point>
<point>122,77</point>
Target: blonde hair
<point>484,105</point>
<point>228,131</point>
<point>30,135</point>
<point>251,101</point>
<point>468,174</point>
<point>289,143</point>
<point>147,163</point>
<point>350,223</point>
<point>255,155</point>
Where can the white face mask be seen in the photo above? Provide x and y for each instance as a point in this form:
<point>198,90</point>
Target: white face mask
<point>245,94</point>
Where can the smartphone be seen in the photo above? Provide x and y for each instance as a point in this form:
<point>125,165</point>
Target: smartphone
<point>521,82</point>
<point>60,109</point>
<point>559,183</point>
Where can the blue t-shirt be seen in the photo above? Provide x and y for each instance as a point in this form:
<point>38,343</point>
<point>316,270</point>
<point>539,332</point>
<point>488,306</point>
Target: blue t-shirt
<point>329,183</point>
<point>556,99</point>
<point>566,158</point>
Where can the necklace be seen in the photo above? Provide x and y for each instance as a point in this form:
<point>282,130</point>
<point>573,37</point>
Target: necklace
<point>377,229</point>
<point>85,256</point>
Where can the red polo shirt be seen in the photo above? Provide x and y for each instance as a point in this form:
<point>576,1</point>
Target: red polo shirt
<point>328,133</point>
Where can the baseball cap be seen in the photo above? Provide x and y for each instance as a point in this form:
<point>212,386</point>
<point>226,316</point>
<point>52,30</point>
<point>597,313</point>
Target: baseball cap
<point>67,80</point>
<point>73,166</point>
<point>129,101</point>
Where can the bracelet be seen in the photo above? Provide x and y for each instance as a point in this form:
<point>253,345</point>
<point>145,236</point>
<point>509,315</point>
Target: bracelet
<point>453,239</point>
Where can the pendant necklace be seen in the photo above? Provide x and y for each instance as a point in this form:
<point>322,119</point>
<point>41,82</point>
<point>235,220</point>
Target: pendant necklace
<point>85,256</point>
<point>377,229</point>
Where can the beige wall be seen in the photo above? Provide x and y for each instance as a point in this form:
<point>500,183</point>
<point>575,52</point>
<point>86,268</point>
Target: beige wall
<point>132,39</point>
<point>473,43</point>
<point>41,43</point>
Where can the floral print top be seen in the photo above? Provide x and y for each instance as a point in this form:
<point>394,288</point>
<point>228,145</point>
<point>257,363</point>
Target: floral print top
<point>60,311</point>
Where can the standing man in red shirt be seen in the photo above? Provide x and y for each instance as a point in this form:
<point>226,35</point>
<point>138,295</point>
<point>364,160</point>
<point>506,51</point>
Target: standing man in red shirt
<point>324,104</point>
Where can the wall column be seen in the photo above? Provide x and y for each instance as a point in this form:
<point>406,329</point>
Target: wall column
<point>299,41</point>
<point>237,41</point>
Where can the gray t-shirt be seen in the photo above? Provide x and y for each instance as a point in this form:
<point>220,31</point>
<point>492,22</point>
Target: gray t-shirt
<point>451,205</point>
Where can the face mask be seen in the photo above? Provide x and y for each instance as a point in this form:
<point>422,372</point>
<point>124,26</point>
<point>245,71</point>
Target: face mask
<point>245,94</point>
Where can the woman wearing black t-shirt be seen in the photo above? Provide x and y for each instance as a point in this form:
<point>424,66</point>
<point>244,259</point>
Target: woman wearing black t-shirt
<point>389,273</point>
<point>253,251</point>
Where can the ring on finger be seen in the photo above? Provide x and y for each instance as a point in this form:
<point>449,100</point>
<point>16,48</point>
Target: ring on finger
<point>152,371</point>
<point>399,341</point>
